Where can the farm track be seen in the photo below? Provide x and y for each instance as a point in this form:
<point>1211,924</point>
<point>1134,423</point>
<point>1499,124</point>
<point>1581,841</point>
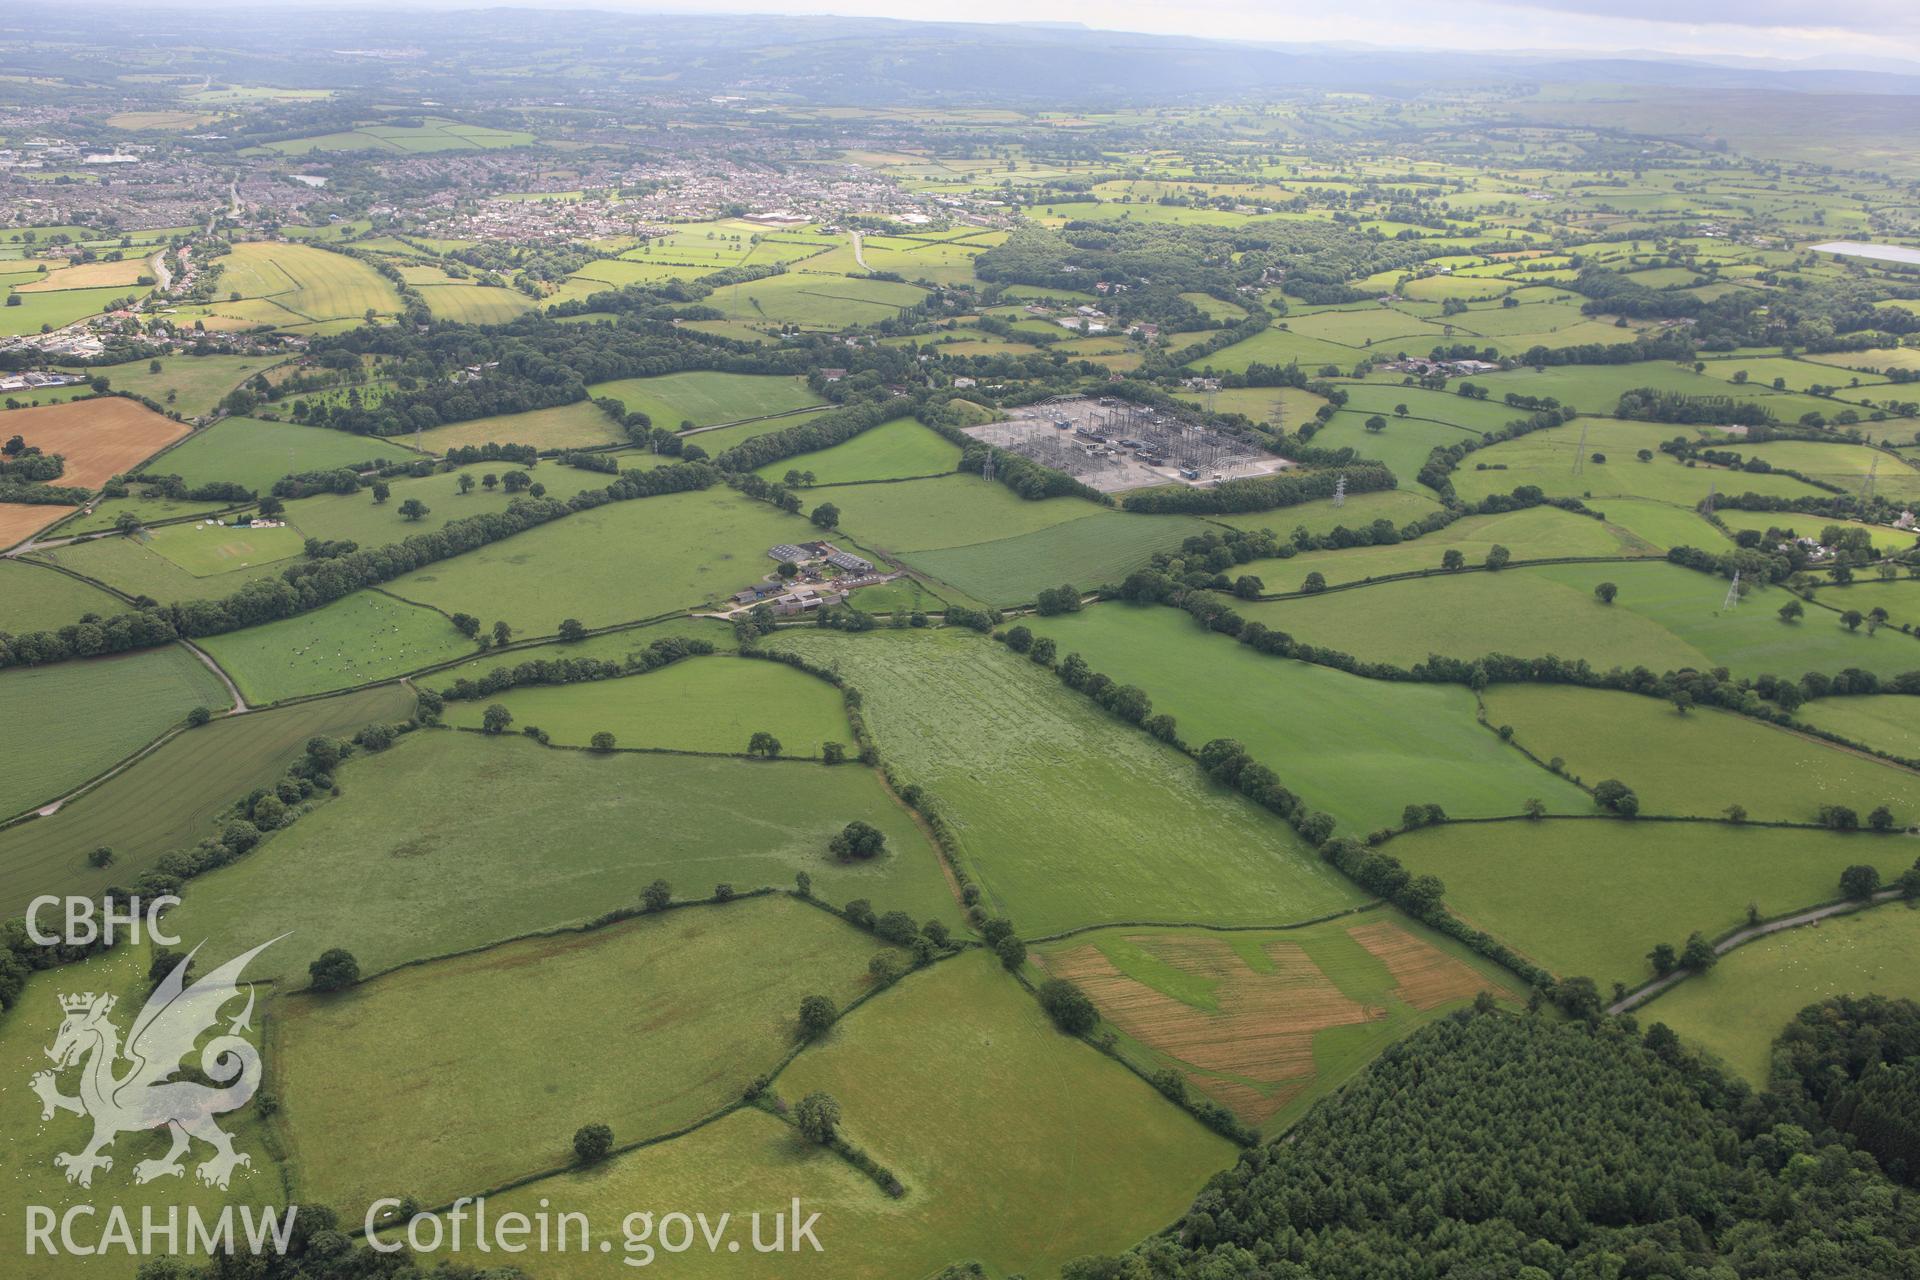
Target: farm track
<point>1748,934</point>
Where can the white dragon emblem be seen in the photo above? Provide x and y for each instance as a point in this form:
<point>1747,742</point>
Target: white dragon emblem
<point>145,1096</point>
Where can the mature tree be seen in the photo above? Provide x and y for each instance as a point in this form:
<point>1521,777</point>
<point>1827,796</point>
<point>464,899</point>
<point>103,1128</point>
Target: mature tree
<point>1400,411</point>
<point>858,839</point>
<point>198,716</point>
<point>490,481</point>
<point>1736,813</point>
<point>1838,817</point>
<point>1616,797</point>
<point>515,481</point>
<point>1860,881</point>
<point>413,509</point>
<point>1376,423</point>
<point>1534,808</point>
<point>1068,1006</point>
<point>1664,959</point>
<point>100,858</point>
<point>1792,611</point>
<point>1012,951</point>
<point>571,630</point>
<point>466,624</point>
<point>592,1142</point>
<point>1852,619</point>
<point>381,492</point>
<point>1498,556</point>
<point>817,1115</point>
<point>817,1013</point>
<point>656,896</point>
<point>464,483</point>
<point>1698,955</point>
<point>763,744</point>
<point>1606,592</point>
<point>1881,819</point>
<point>826,516</point>
<point>335,970</point>
<point>271,506</point>
<point>1453,558</point>
<point>1018,639</point>
<point>601,742</point>
<point>833,752</point>
<point>1682,701</point>
<point>502,633</point>
<point>1316,582</point>
<point>495,718</point>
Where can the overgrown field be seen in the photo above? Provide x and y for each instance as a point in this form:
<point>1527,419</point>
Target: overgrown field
<point>443,808</point>
<point>168,799</point>
<point>692,1004</point>
<point>976,1187</point>
<point>81,717</point>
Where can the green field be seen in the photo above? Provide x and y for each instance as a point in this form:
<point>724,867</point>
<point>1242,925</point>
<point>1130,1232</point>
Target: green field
<point>815,301</point>
<point>294,287</point>
<point>1885,539</point>
<point>576,425</point>
<point>1360,510</point>
<point>1546,458</point>
<point>475,303</point>
<point>1665,618</point>
<point>27,1169</point>
<point>169,798</point>
<point>86,715</point>
<point>691,1004</point>
<point>33,598</point>
<point>446,808</point>
<point>356,517</point>
<point>365,637</point>
<point>430,136</point>
<point>947,511</point>
<point>132,566</point>
<point>1696,765</point>
<point>1538,533</point>
<point>1089,551</point>
<point>1592,897</point>
<point>615,563</point>
<point>975,1187</point>
<point>255,453</point>
<point>611,646</point>
<point>1737,1008</point>
<point>1266,1022</point>
<point>1065,816</point>
<point>705,704</point>
<point>57,308</point>
<point>891,451</point>
<point>191,385</point>
<point>1886,722</point>
<point>1341,742</point>
<point>209,550</point>
<point>705,399</point>
<point>1845,465</point>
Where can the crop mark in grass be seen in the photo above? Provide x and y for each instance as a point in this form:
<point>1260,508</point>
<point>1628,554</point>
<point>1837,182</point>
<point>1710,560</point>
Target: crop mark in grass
<point>1423,977</point>
<point>1253,1054</point>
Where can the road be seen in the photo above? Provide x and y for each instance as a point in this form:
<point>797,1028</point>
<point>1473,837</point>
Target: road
<point>162,276</point>
<point>1810,916</point>
<point>859,251</point>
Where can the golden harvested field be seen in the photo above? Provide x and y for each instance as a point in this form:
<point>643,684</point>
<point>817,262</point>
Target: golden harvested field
<point>89,275</point>
<point>100,437</point>
<point>18,519</point>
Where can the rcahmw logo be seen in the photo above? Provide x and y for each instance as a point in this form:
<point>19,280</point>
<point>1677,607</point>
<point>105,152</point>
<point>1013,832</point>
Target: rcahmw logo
<point>129,1086</point>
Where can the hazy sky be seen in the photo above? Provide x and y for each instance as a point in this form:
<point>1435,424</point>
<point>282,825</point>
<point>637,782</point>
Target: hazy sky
<point>1866,29</point>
